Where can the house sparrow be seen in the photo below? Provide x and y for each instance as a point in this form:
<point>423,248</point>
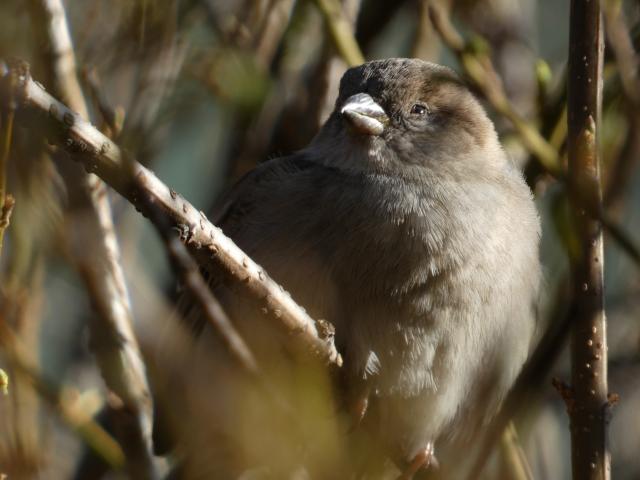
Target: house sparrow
<point>405,225</point>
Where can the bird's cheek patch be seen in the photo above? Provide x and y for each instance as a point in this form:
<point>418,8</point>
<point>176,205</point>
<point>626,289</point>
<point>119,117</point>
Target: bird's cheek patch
<point>419,124</point>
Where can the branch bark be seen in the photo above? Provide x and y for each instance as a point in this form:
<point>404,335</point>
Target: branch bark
<point>6,200</point>
<point>211,248</point>
<point>91,432</point>
<point>589,406</point>
<point>627,62</point>
<point>480,71</point>
<point>186,267</point>
<point>112,339</point>
<point>341,31</point>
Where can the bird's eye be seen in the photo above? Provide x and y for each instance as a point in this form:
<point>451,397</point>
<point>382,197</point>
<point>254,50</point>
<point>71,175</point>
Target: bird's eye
<point>418,109</point>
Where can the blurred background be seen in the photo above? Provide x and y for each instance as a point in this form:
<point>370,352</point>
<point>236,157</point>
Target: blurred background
<point>201,91</point>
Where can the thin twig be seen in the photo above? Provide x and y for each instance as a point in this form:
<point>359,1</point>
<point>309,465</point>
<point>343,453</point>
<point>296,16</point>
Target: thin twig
<point>113,341</point>
<point>112,119</point>
<point>425,44</point>
<point>478,67</point>
<point>197,286</point>
<point>622,46</point>
<point>5,216</point>
<point>514,455</point>
<point>628,64</point>
<point>332,66</point>
<point>6,129</point>
<point>213,311</point>
<point>209,245</point>
<point>589,415</point>
<point>525,390</point>
<point>6,201</point>
<point>341,31</point>
<point>272,30</point>
<point>620,236</point>
<point>4,382</point>
<point>100,441</point>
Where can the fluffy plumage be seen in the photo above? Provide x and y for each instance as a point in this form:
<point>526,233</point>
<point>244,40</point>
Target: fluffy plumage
<point>417,239</point>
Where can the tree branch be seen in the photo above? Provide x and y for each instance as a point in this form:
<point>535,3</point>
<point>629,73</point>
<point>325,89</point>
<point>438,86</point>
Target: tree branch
<point>209,245</point>
<point>92,433</point>
<point>483,76</point>
<point>589,445</point>
<point>341,31</point>
<point>112,339</point>
<point>195,283</point>
<point>479,69</point>
<point>627,63</point>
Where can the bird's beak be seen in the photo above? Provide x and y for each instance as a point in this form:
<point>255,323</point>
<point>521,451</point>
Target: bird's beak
<point>364,115</point>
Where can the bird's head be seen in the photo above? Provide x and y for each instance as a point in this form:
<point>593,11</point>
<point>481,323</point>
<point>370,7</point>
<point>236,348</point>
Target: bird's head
<point>397,113</point>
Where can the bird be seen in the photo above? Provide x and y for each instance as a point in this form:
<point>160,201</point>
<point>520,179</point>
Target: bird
<point>405,225</point>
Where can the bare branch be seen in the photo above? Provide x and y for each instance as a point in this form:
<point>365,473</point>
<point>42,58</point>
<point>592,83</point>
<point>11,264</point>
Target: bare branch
<point>6,201</point>
<point>113,341</point>
<point>514,455</point>
<point>209,245</point>
<point>195,283</point>
<point>271,32</point>
<point>627,62</point>
<point>341,31</point>
<point>92,433</point>
<point>333,65</point>
<point>622,46</point>
<point>479,69</point>
<point>426,43</point>
<point>4,382</point>
<point>589,444</point>
<point>525,390</point>
<point>5,215</point>
<point>212,310</point>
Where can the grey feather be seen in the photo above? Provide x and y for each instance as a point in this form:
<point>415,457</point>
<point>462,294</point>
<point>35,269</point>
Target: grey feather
<point>419,244</point>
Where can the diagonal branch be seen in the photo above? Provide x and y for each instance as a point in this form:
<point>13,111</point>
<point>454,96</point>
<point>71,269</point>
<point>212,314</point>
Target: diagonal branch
<point>206,242</point>
<point>479,69</point>
<point>195,283</point>
<point>99,440</point>
<point>341,31</point>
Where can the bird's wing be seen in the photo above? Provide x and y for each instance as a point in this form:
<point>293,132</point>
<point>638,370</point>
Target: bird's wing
<point>240,203</point>
<point>242,198</point>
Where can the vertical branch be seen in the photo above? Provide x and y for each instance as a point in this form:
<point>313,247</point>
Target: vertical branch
<point>21,436</point>
<point>272,30</point>
<point>425,43</point>
<point>6,200</point>
<point>210,247</point>
<point>113,340</point>
<point>627,62</point>
<point>335,62</point>
<point>588,409</point>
